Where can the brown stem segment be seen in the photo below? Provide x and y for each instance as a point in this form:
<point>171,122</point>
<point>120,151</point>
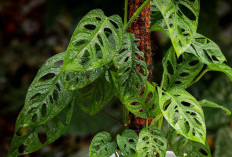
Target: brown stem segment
<point>141,29</point>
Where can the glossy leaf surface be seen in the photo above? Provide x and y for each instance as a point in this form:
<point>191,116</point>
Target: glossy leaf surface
<point>102,146</point>
<point>180,72</point>
<point>183,113</point>
<point>94,43</point>
<point>127,143</point>
<point>150,142</point>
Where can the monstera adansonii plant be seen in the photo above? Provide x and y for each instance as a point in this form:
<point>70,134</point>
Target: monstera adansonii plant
<point>101,61</point>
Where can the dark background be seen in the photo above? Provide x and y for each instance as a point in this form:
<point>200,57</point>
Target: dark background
<point>31,31</point>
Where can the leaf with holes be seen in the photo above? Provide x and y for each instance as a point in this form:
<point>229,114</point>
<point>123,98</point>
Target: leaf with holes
<point>207,103</point>
<point>206,50</point>
<point>222,68</point>
<point>46,96</point>
<point>131,67</point>
<point>183,113</point>
<point>181,20</point>
<point>151,143</point>
<point>35,137</point>
<point>95,96</point>
<point>102,145</point>
<point>180,72</point>
<point>94,43</point>
<point>183,147</point>
<point>127,143</point>
<point>223,145</point>
<point>144,102</point>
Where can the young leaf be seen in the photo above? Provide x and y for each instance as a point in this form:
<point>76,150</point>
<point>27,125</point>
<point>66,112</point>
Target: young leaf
<point>151,142</point>
<point>127,143</point>
<point>101,145</point>
<point>143,103</point>
<point>183,147</point>
<point>183,113</point>
<point>94,43</point>
<point>207,103</point>
<point>222,68</point>
<point>28,139</point>
<point>206,50</point>
<point>223,145</point>
<point>95,96</point>
<point>127,62</point>
<point>181,20</point>
<point>180,72</point>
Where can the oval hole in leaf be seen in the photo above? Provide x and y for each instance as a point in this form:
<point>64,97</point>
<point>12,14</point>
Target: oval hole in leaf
<point>90,27</point>
<point>80,42</point>
<point>203,152</point>
<point>46,77</point>
<point>34,117</point>
<point>193,63</point>
<point>35,96</point>
<point>170,68</point>
<point>59,63</point>
<point>187,12</point>
<point>115,24</point>
<point>184,74</point>
<point>44,110</point>
<point>187,104</point>
<point>21,148</point>
<point>100,39</point>
<point>107,32</point>
<point>42,137</point>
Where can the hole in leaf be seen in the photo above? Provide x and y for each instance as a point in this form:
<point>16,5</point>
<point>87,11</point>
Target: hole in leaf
<point>122,51</point>
<point>42,137</point>
<point>184,74</point>
<point>177,82</point>
<point>132,151</point>
<point>23,131</point>
<point>187,127</point>
<point>87,73</point>
<point>215,58</point>
<point>21,148</point>
<point>149,96</point>
<point>170,68</point>
<point>107,32</point>
<point>167,104</point>
<point>97,18</point>
<point>80,42</point>
<point>90,27</point>
<point>197,121</point>
<point>35,96</point>
<point>187,12</point>
<point>131,140</point>
<point>100,39</point>
<point>135,103</point>
<point>85,58</point>
<point>127,58</point>
<point>55,96</point>
<point>142,92</point>
<point>58,86</point>
<point>98,51</point>
<point>97,147</point>
<point>193,63</point>
<point>115,24</point>
<point>180,59</point>
<point>142,110</point>
<point>187,104</point>
<point>44,110</point>
<point>203,152</point>
<point>34,117</point>
<point>59,63</point>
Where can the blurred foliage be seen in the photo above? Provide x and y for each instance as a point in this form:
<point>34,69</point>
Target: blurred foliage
<point>33,30</point>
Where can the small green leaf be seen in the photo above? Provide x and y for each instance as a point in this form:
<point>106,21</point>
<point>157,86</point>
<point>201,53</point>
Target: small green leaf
<point>183,147</point>
<point>181,20</point>
<point>127,62</point>
<point>101,145</point>
<point>94,43</point>
<point>183,113</point>
<point>222,68</point>
<point>127,143</point>
<point>207,103</point>
<point>144,102</point>
<point>223,145</point>
<point>29,139</point>
<point>206,50</point>
<point>151,143</point>
<point>180,72</point>
<point>95,96</point>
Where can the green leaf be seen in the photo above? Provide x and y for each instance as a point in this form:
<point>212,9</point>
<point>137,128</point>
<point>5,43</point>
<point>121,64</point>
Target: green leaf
<point>222,68</point>
<point>181,20</point>
<point>127,62</point>
<point>144,102</point>
<point>29,139</point>
<point>183,147</point>
<point>207,103</point>
<point>46,97</point>
<point>180,72</point>
<point>127,143</point>
<point>183,113</point>
<point>223,145</point>
<point>95,96</point>
<point>101,145</point>
<point>151,142</point>
<point>94,43</point>
<point>206,50</point>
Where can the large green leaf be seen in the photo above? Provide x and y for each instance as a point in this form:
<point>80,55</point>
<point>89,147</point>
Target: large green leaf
<point>45,99</point>
<point>151,143</point>
<point>29,139</point>
<point>206,50</point>
<point>95,42</point>
<point>127,62</point>
<point>144,102</point>
<point>223,145</point>
<point>95,96</point>
<point>181,20</point>
<point>102,146</point>
<point>183,113</point>
<point>183,147</point>
<point>222,68</point>
<point>127,143</point>
<point>180,72</point>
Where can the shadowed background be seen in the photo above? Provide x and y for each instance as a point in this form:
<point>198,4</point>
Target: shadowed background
<point>31,31</point>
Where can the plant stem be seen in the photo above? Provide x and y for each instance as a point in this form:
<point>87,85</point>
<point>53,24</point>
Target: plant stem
<point>115,119</point>
<point>125,13</point>
<point>199,77</point>
<point>136,14</point>
<point>160,123</point>
<point>125,116</point>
